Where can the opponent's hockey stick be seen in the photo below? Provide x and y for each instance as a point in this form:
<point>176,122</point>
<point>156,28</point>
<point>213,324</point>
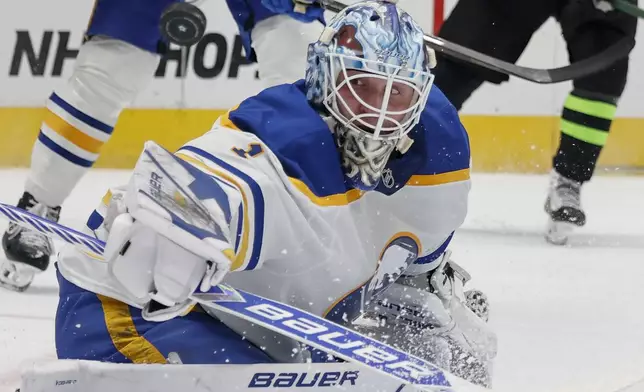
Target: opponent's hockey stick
<point>628,8</point>
<point>573,71</point>
<point>284,319</point>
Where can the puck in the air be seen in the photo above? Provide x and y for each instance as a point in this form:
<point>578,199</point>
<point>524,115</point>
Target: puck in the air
<point>183,24</point>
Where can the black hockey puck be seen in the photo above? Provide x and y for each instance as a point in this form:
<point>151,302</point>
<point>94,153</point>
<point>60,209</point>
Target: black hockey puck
<point>182,24</point>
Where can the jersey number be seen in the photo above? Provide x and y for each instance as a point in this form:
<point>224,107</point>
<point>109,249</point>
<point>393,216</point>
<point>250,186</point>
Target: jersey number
<point>253,150</point>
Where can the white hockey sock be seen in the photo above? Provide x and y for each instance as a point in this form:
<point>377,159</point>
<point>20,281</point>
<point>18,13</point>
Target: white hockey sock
<point>81,115</point>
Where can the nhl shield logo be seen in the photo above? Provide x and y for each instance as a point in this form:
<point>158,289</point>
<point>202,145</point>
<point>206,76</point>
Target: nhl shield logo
<point>388,178</point>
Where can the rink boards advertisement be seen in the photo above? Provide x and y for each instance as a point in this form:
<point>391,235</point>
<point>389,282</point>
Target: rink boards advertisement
<point>513,127</point>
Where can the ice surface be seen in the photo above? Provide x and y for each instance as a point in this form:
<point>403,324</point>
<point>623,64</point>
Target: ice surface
<point>568,318</point>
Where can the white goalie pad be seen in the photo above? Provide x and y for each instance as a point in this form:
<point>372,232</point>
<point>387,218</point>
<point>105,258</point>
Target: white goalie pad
<point>84,376</point>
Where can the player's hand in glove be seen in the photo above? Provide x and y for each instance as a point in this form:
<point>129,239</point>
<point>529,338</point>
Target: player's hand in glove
<point>164,243</point>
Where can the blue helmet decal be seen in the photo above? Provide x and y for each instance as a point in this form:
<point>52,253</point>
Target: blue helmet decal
<point>386,36</point>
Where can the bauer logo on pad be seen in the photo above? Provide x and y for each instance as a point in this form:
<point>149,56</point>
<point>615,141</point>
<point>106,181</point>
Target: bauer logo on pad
<point>303,380</point>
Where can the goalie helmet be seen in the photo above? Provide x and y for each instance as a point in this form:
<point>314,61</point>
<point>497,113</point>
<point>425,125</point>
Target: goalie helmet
<point>370,70</point>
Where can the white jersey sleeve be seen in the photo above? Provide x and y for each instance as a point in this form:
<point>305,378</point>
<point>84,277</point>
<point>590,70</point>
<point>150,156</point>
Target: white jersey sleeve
<point>256,198</point>
<point>253,180</point>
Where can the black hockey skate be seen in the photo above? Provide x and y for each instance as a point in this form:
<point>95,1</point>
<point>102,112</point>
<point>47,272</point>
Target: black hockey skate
<point>563,205</point>
<point>27,252</point>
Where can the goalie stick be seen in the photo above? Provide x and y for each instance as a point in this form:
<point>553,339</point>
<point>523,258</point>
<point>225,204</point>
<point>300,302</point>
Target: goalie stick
<point>284,319</point>
<point>576,70</point>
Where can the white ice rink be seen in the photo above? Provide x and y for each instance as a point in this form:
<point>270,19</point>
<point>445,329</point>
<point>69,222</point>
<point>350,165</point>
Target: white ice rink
<point>568,318</point>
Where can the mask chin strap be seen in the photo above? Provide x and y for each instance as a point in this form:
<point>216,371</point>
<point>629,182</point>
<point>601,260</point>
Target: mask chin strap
<point>404,144</point>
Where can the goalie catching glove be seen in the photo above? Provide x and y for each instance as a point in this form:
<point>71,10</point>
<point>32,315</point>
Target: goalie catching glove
<point>164,241</point>
<point>429,315</point>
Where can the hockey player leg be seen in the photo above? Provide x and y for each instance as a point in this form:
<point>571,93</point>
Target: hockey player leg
<point>277,39</point>
<point>587,113</point>
<point>499,28</point>
<point>79,119</point>
<point>585,123</point>
<point>99,328</point>
<point>457,81</point>
<point>281,43</point>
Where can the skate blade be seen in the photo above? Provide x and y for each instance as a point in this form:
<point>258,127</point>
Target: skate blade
<point>16,276</point>
<point>558,232</point>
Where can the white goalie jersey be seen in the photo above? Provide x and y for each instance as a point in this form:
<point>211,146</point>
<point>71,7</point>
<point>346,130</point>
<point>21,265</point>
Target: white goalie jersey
<point>299,234</point>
